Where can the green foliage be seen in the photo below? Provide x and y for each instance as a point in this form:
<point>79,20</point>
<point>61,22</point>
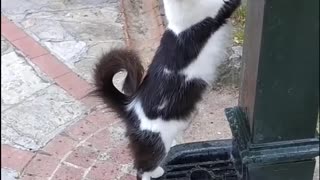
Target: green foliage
<point>238,21</point>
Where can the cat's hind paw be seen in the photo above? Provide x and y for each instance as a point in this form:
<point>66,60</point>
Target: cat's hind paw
<point>158,172</point>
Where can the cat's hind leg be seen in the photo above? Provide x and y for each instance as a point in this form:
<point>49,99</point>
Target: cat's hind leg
<point>149,151</point>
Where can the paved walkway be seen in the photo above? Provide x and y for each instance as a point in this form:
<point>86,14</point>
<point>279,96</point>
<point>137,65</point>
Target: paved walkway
<point>51,128</point>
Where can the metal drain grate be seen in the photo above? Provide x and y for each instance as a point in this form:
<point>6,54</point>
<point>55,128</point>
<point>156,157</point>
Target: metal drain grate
<point>200,161</point>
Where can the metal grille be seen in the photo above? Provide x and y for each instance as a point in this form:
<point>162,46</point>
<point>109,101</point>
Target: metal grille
<point>209,164</point>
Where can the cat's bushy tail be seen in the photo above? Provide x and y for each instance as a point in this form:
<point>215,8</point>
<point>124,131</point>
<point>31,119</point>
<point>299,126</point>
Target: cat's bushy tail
<point>110,64</point>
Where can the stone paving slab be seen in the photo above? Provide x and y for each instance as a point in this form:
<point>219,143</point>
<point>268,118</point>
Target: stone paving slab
<point>20,81</point>
<point>5,46</point>
<point>75,31</point>
<point>40,118</point>
<point>34,109</point>
<point>7,174</point>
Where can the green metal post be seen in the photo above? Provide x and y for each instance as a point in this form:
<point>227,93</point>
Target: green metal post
<point>274,126</point>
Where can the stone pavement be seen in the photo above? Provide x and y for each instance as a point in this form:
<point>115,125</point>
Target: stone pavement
<point>50,127</point>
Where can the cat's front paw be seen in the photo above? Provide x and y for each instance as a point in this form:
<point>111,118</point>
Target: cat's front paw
<point>233,2</point>
<point>232,5</point>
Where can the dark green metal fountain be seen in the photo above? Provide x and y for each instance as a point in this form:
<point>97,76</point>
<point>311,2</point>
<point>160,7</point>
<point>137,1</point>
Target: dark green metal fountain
<point>274,125</point>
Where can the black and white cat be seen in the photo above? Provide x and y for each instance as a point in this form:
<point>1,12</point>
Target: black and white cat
<point>159,106</point>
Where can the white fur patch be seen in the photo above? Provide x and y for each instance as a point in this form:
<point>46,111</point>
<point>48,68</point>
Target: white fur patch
<point>163,105</point>
<point>214,52</point>
<point>167,71</point>
<point>158,172</point>
<point>182,14</point>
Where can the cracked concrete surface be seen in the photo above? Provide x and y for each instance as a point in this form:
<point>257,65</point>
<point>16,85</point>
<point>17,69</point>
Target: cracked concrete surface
<point>76,31</point>
<point>7,174</point>
<point>33,109</point>
<point>39,118</point>
<point>21,80</point>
